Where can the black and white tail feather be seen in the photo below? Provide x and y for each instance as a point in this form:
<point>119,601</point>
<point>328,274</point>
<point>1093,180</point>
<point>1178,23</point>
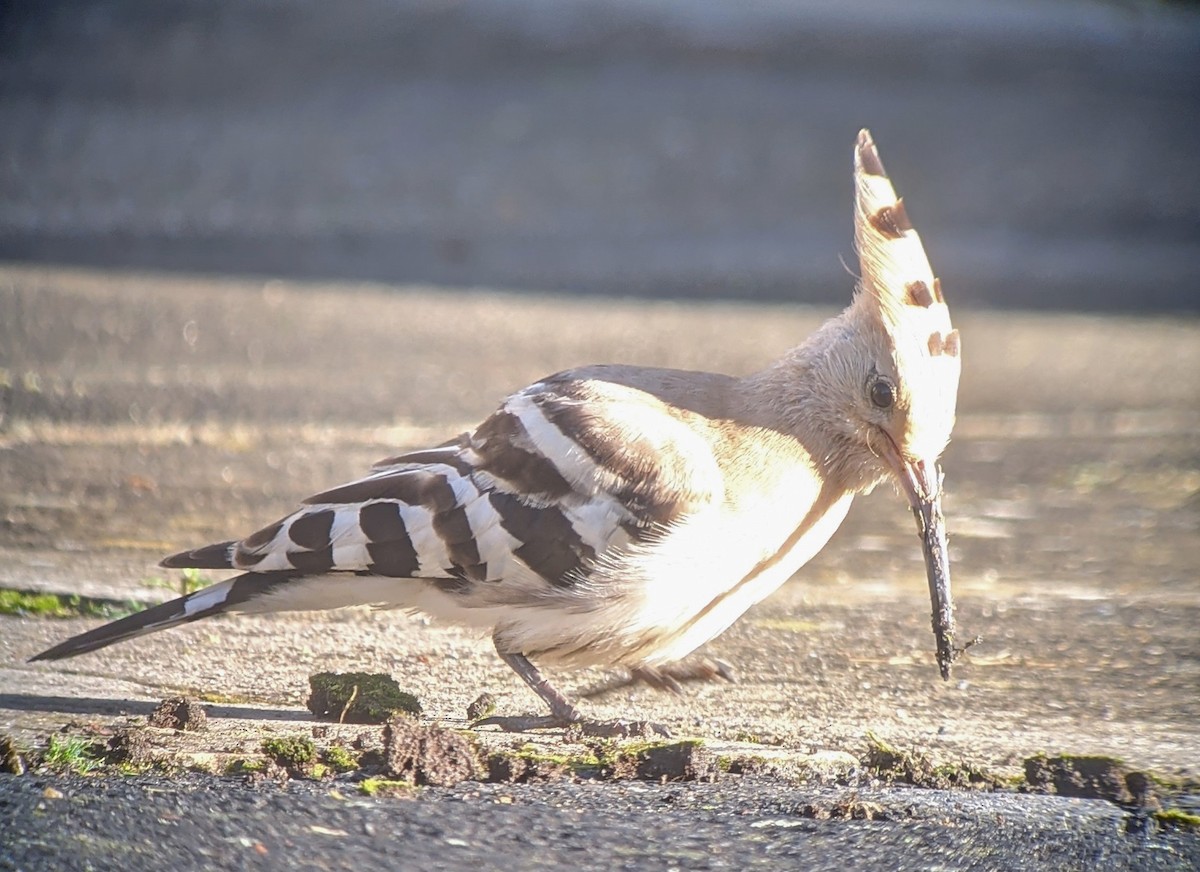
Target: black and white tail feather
<point>617,515</point>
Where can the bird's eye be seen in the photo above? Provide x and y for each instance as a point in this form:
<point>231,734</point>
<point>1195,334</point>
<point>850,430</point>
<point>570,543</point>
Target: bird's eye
<point>882,393</point>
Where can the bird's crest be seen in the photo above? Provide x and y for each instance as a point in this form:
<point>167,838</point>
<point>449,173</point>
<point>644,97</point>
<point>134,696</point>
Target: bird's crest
<point>899,292</point>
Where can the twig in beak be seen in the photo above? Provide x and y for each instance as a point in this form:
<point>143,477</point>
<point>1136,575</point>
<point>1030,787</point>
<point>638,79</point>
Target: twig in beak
<point>922,484</point>
<point>931,527</point>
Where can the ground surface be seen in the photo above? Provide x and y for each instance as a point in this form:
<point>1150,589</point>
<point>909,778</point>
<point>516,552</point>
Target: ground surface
<point>147,413</point>
<point>750,824</point>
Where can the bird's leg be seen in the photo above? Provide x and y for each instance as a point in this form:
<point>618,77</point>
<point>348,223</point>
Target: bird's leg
<point>562,711</point>
<point>561,708</point>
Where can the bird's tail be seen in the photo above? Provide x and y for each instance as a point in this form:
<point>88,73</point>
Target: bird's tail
<point>224,596</point>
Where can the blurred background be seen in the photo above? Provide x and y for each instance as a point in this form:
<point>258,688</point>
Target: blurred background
<point>674,148</point>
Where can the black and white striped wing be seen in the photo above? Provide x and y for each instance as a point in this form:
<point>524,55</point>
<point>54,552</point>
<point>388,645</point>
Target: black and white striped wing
<point>565,471</point>
<point>567,476</point>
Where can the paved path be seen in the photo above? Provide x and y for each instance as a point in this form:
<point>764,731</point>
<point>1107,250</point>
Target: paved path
<point>138,823</point>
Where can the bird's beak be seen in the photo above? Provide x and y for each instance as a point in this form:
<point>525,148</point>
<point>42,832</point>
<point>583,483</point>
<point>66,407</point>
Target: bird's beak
<point>921,481</point>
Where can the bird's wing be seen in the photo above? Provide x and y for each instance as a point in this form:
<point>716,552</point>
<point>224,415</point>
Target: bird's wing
<point>565,471</point>
<point>564,476</point>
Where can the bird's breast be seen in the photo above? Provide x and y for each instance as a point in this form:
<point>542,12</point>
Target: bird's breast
<point>660,599</point>
<point>737,570</point>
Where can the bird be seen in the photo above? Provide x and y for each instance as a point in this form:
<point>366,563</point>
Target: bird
<point>622,516</point>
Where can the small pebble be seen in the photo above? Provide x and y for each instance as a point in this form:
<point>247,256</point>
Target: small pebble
<point>483,706</point>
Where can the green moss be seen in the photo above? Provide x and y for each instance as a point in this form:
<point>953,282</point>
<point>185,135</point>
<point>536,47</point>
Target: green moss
<point>1009,782</point>
<point>340,758</point>
<point>293,752</point>
<point>241,766</point>
<point>611,752</point>
<point>319,771</point>
<point>24,603</point>
<point>580,762</point>
<point>604,752</point>
<point>192,580</point>
<point>528,763</point>
<point>1166,784</point>
<point>1085,759</point>
<point>880,746</point>
<point>385,787</point>
<point>1177,819</point>
<point>359,698</point>
<point>32,603</point>
<point>1172,787</point>
<point>680,760</point>
<point>70,754</point>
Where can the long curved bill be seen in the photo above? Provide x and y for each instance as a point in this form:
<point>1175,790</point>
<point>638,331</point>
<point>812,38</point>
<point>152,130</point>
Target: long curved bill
<point>922,483</point>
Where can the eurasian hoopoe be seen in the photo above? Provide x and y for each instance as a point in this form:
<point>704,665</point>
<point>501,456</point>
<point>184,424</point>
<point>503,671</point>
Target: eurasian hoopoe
<point>620,515</point>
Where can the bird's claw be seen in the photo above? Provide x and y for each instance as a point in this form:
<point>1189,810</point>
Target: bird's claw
<point>671,677</point>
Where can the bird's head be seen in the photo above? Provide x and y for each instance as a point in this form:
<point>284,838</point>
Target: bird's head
<point>888,368</point>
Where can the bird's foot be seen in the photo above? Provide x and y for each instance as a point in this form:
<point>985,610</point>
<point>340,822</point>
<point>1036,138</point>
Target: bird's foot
<point>563,712</point>
<point>670,677</point>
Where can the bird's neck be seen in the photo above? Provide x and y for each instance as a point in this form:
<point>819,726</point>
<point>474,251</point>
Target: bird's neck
<point>802,396</point>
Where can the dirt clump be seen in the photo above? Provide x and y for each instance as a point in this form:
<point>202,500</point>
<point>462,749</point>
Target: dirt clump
<point>525,767</point>
<point>483,706</point>
<point>129,746</point>
<point>429,755</point>
<point>608,760</point>
<point>11,760</point>
<point>1089,778</point>
<point>179,713</point>
<point>687,760</point>
<point>359,697</point>
<point>913,767</point>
